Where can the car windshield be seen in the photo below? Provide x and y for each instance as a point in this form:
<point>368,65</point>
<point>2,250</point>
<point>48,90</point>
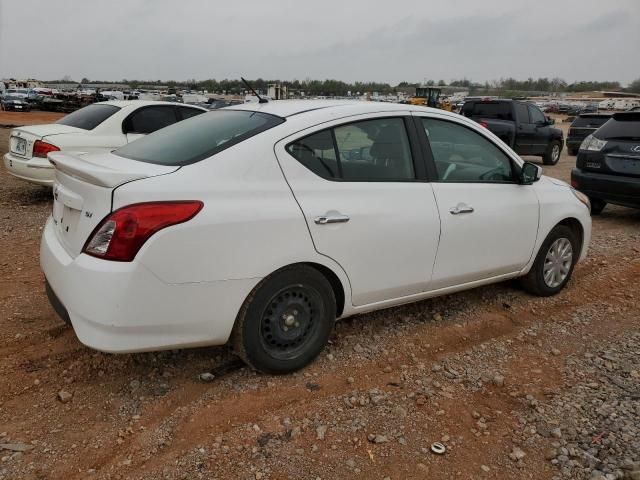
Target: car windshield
<point>621,126</point>
<point>592,121</point>
<point>89,117</point>
<point>198,137</point>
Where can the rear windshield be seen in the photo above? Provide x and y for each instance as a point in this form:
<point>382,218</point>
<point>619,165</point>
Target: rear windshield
<point>494,110</point>
<point>198,137</point>
<point>89,117</point>
<point>622,126</point>
<point>591,121</point>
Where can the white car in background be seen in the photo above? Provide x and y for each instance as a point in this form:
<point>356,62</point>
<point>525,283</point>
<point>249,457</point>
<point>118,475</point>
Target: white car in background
<point>263,223</point>
<point>100,126</point>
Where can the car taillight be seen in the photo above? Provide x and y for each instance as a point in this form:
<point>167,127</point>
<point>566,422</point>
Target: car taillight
<point>122,233</point>
<point>40,149</point>
<point>574,183</point>
<point>484,124</point>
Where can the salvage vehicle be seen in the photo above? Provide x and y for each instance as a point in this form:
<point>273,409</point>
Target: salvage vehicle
<point>520,125</point>
<point>14,102</point>
<point>260,224</point>
<point>100,126</point>
<point>583,126</point>
<point>608,163</point>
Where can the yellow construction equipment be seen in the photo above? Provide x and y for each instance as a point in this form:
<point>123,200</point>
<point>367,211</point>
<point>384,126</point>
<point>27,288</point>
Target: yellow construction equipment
<point>430,97</point>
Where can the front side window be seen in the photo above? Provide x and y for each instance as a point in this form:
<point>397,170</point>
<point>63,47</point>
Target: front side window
<point>536,115</point>
<point>462,155</point>
<point>369,150</point>
<point>149,119</point>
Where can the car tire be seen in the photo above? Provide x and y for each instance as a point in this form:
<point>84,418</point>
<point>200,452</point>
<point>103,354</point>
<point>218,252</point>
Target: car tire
<point>286,320</point>
<point>552,155</point>
<point>550,260</point>
<point>597,205</point>
<point>573,152</point>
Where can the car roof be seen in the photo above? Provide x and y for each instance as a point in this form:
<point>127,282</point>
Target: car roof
<point>144,103</point>
<point>288,108</point>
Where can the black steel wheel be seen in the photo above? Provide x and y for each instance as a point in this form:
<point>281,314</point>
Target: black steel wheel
<point>286,321</point>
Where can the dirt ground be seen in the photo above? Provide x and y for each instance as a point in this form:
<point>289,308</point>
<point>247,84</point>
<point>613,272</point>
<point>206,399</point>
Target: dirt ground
<point>481,371</point>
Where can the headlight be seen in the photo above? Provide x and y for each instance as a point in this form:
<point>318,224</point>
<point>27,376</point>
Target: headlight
<point>582,197</point>
<point>592,144</point>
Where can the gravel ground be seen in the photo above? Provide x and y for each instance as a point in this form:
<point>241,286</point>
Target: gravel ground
<point>515,387</point>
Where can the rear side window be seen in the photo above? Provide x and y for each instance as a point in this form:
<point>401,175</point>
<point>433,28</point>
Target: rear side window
<point>186,112</point>
<point>89,117</point>
<point>492,110</point>
<point>370,150</point>
<point>622,125</point>
<point>198,137</point>
<point>522,112</point>
<point>149,119</point>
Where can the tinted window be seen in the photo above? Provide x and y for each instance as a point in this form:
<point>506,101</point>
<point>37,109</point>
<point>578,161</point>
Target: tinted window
<point>199,137</point>
<point>622,125</point>
<point>462,155</point>
<point>150,119</point>
<point>363,151</point>
<point>186,112</point>
<point>495,110</point>
<point>536,115</point>
<point>522,113</point>
<point>591,121</point>
<point>89,117</point>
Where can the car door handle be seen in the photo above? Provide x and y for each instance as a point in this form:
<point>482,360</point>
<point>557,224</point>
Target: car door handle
<point>324,219</point>
<point>461,208</point>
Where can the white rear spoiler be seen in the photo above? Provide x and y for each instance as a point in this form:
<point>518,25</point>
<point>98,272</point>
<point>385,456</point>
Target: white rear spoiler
<point>105,169</point>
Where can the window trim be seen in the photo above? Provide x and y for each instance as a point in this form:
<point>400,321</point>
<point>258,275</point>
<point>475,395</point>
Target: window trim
<point>415,148</point>
<point>431,164</point>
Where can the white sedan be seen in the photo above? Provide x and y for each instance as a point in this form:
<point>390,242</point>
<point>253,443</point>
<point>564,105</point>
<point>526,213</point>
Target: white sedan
<point>262,224</point>
<point>97,127</point>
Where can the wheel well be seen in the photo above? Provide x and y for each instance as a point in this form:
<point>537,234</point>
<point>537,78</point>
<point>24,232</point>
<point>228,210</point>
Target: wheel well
<point>335,283</point>
<point>576,227</point>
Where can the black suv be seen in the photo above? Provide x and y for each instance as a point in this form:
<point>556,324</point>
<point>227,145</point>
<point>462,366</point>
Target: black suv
<point>584,125</point>
<point>608,163</point>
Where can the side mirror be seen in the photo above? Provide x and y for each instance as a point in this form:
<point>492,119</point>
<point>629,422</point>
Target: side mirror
<point>530,173</point>
<point>550,121</point>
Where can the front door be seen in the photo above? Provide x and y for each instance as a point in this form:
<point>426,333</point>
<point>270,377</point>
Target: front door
<point>360,189</point>
<point>489,221</point>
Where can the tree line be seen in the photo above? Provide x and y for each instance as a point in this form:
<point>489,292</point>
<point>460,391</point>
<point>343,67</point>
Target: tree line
<point>331,87</point>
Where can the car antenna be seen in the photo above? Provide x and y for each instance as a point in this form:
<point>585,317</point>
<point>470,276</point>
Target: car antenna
<point>260,99</point>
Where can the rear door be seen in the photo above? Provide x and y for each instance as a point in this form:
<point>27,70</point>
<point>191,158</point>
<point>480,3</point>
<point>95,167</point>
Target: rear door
<point>362,188</point>
<point>489,222</point>
<point>541,132</point>
<point>147,120</point>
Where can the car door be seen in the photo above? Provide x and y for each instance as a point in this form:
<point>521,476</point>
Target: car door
<point>362,189</point>
<point>541,133</point>
<point>489,222</point>
<point>525,130</point>
<point>147,120</point>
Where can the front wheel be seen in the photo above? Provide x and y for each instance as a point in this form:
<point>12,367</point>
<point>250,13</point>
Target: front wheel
<point>552,155</point>
<point>554,263</point>
<point>286,320</point>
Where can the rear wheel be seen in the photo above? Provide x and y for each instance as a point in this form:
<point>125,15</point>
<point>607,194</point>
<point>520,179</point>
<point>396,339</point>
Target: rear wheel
<point>286,321</point>
<point>597,205</point>
<point>552,155</point>
<point>554,263</point>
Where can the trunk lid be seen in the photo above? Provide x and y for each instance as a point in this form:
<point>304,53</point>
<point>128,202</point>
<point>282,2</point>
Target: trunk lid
<point>83,191</point>
<point>22,138</point>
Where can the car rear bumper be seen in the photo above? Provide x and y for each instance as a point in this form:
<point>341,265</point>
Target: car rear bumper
<point>35,170</point>
<point>616,189</point>
<point>574,143</point>
<point>122,307</point>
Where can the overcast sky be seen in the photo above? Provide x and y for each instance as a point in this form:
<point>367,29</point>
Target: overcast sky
<point>348,40</point>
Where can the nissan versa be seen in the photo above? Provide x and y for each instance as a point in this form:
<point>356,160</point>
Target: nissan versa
<point>261,224</point>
